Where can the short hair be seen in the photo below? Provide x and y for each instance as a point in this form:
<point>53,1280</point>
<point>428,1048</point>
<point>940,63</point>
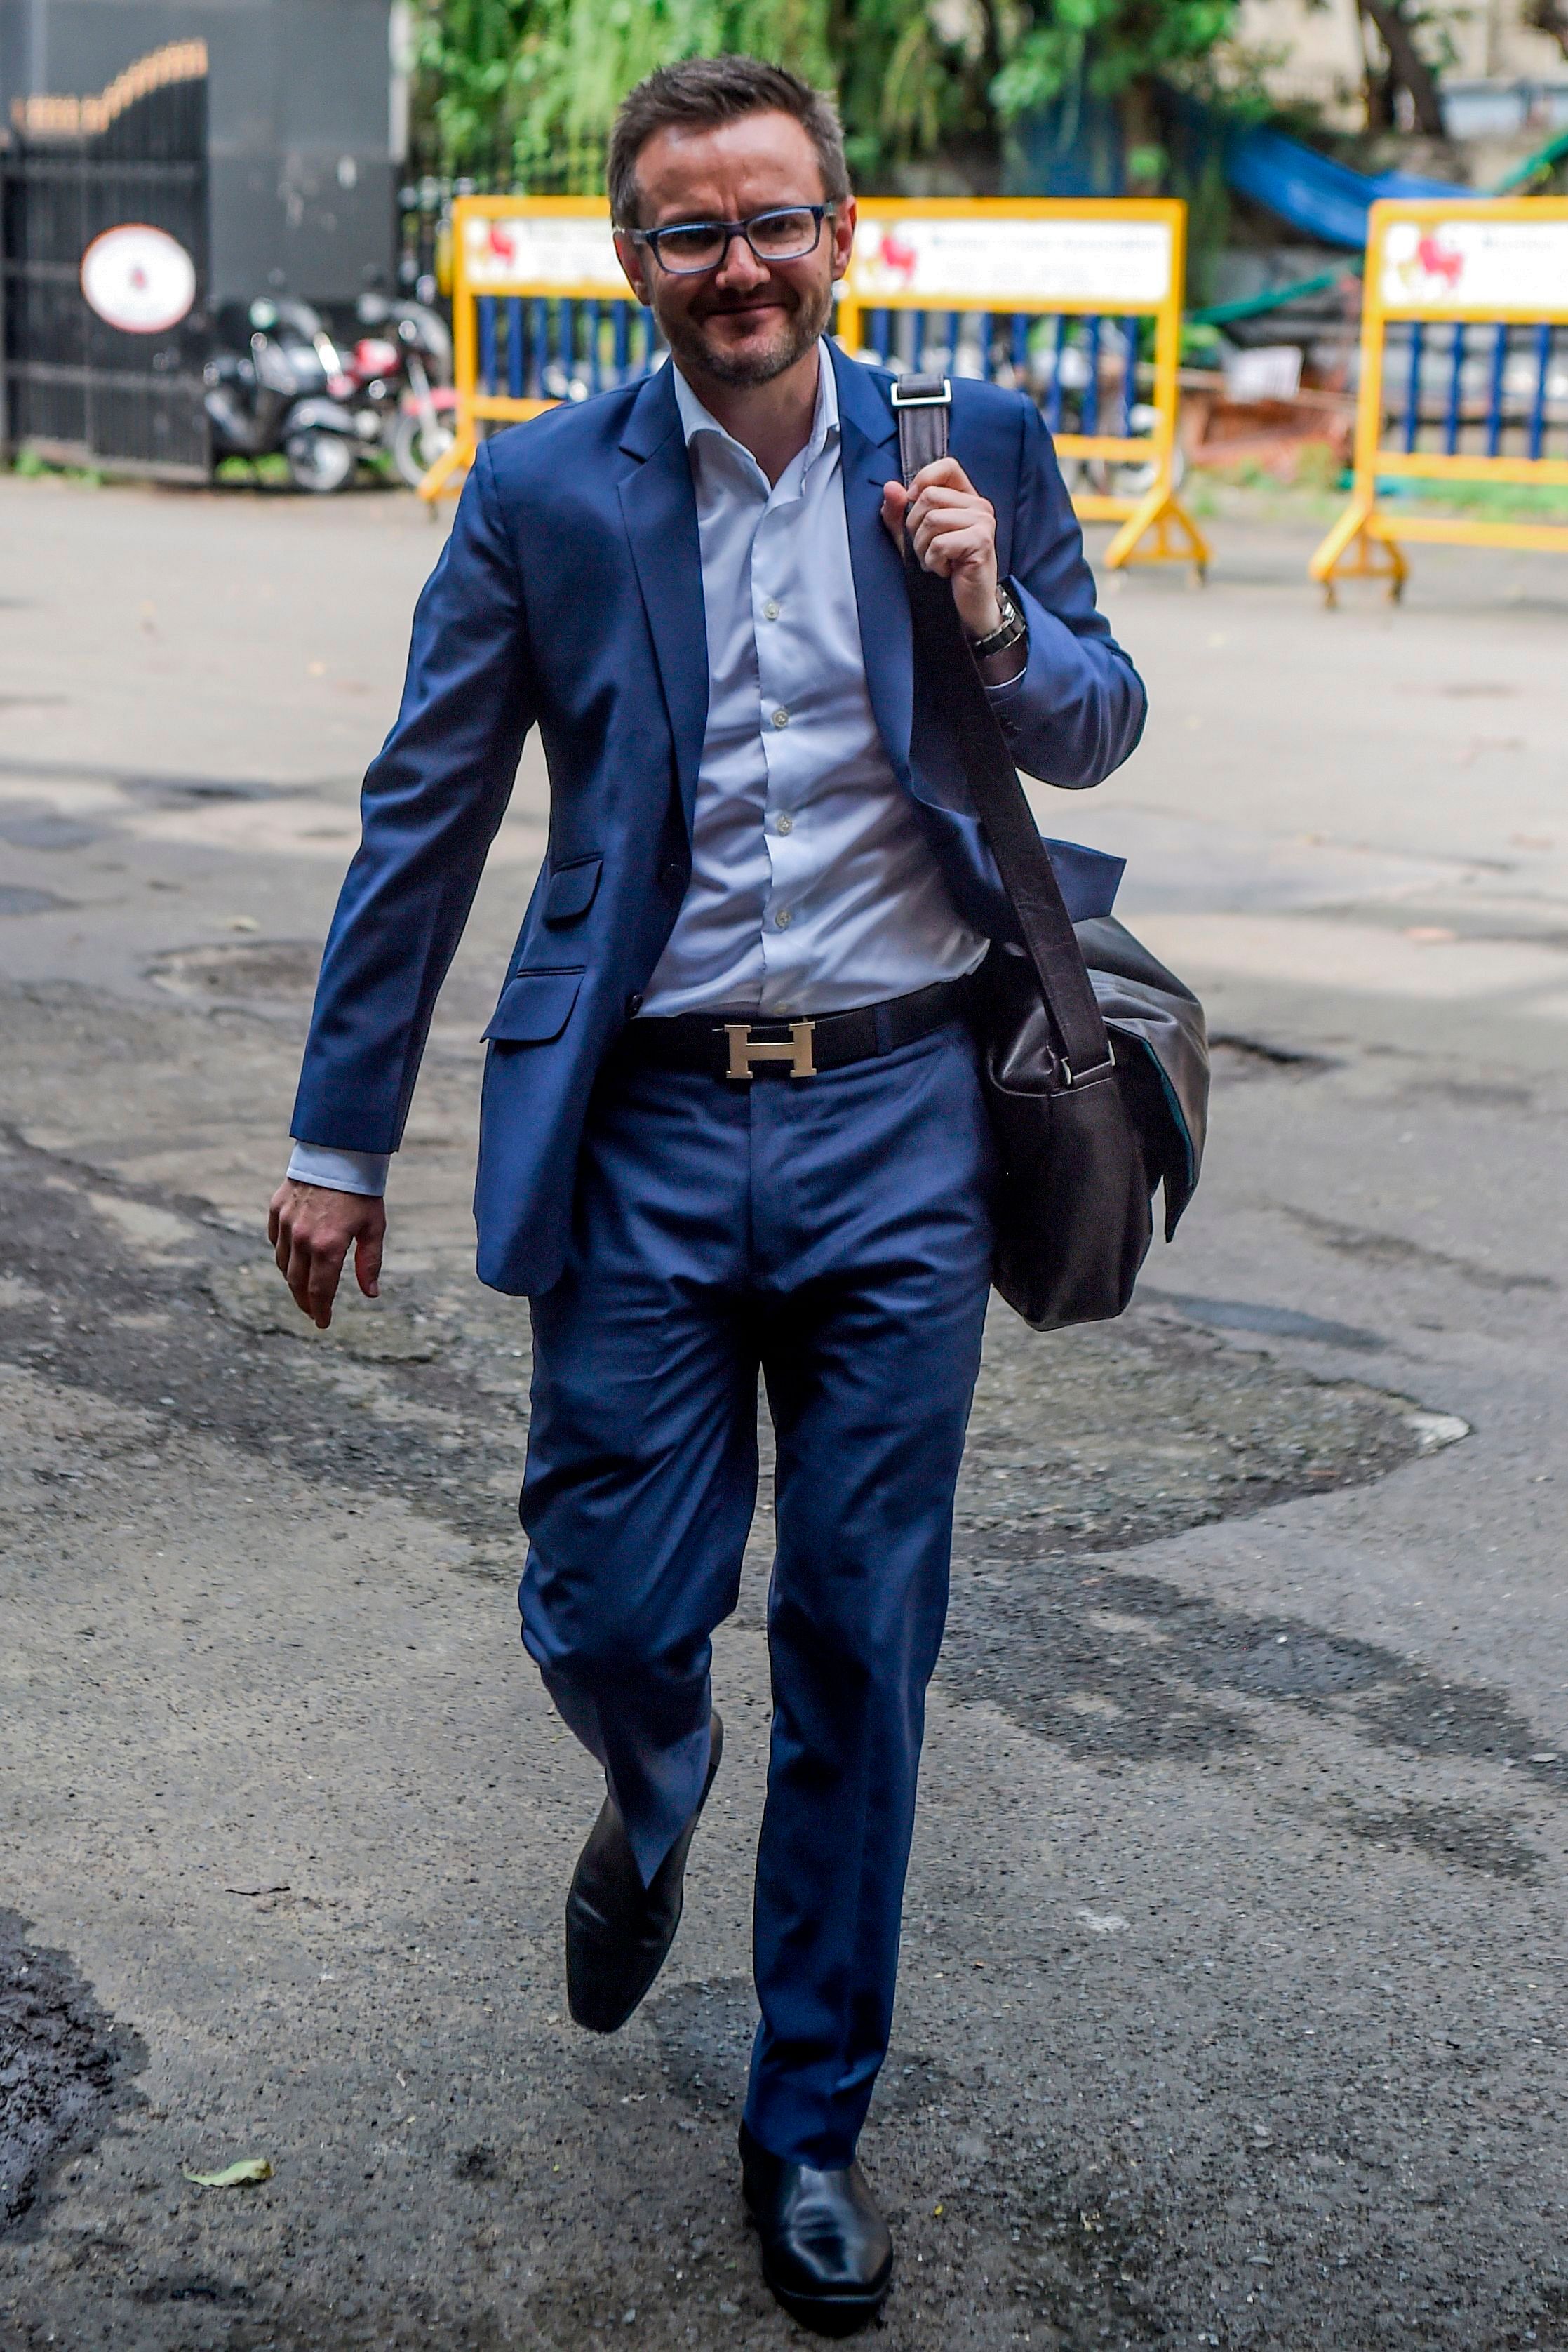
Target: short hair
<point>697,94</point>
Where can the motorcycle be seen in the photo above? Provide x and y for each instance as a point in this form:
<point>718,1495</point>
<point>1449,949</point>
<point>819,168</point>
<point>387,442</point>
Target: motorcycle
<point>278,395</point>
<point>403,374</point>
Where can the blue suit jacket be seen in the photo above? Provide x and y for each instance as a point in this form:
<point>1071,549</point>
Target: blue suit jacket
<point>569,595</point>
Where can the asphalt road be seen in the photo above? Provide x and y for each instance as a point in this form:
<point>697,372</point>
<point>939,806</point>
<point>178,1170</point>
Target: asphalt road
<point>1232,1996</point>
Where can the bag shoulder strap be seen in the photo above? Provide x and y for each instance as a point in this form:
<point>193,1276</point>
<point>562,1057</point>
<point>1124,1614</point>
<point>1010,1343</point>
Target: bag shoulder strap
<point>921,406</point>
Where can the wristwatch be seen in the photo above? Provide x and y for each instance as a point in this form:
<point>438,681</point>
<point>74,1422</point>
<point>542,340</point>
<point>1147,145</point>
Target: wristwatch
<point>1011,630</point>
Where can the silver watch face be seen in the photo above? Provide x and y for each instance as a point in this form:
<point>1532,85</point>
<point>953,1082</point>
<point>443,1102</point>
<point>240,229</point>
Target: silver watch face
<point>1012,619</point>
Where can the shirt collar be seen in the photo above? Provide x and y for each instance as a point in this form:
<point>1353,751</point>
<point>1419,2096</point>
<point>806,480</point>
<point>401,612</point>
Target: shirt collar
<point>696,419</point>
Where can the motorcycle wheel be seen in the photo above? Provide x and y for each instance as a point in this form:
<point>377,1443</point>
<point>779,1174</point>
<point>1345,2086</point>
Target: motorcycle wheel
<point>417,443</point>
<point>319,462</point>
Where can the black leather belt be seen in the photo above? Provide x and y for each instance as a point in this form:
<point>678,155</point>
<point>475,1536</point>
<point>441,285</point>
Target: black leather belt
<point>740,1046</point>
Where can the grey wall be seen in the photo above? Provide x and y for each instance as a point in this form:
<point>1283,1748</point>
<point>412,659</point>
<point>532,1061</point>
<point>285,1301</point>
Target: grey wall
<point>300,108</point>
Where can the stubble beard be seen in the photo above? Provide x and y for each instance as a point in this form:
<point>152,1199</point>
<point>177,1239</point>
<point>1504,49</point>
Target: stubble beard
<point>799,329</point>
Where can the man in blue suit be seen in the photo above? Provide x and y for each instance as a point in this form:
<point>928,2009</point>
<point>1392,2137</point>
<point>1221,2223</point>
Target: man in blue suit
<point>731,1117</point>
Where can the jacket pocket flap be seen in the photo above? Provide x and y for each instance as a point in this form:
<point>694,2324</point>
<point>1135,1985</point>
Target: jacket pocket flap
<point>571,889</point>
<point>535,1007</point>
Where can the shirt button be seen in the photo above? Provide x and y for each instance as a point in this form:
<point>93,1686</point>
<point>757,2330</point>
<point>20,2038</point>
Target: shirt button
<point>770,610</point>
<point>781,920</point>
<point>781,719</point>
<point>785,824</point>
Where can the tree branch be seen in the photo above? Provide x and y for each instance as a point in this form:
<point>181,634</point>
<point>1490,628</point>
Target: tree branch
<point>1410,68</point>
<point>1547,17</point>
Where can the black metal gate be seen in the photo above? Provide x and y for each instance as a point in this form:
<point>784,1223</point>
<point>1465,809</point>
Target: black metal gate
<point>77,389</point>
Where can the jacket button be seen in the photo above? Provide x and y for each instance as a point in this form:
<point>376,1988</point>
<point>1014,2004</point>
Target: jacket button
<point>672,876</point>
<point>633,1005</point>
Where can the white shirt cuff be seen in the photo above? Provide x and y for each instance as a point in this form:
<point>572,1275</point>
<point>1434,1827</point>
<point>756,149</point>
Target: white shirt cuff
<point>339,1171</point>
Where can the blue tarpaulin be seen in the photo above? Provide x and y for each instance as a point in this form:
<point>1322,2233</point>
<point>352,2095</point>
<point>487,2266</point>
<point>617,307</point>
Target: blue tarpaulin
<point>1325,200</point>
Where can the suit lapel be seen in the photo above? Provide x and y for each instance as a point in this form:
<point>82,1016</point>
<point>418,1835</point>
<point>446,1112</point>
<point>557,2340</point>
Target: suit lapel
<point>869,437</point>
<point>660,512</point>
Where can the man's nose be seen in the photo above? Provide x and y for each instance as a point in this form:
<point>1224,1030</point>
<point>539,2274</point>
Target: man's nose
<point>740,272</point>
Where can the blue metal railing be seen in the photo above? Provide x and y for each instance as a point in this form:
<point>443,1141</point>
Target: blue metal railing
<point>1085,374</point>
<point>1494,396</point>
<point>1075,367</point>
<point>1413,386</point>
<point>535,348</point>
<point>1485,391</point>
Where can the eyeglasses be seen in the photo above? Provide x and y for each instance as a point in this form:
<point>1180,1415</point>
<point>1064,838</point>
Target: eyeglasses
<point>690,247</point>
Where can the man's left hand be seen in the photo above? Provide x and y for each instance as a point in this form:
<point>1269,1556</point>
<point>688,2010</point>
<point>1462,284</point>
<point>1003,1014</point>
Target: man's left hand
<point>954,533</point>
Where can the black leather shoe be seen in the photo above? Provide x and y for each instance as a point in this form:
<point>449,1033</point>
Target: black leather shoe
<point>618,1930</point>
<point>827,2253</point>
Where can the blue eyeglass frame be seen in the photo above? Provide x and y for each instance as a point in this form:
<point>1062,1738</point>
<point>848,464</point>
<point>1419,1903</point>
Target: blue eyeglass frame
<point>652,238</point>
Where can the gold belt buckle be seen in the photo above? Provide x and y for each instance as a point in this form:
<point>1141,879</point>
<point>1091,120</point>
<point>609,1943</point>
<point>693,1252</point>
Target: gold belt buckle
<point>746,1052</point>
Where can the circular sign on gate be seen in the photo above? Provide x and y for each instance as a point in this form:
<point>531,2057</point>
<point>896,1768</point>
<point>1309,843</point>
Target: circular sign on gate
<point>138,278</point>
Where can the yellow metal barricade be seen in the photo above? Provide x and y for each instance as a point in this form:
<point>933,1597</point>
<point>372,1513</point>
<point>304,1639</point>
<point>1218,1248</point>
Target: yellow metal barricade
<point>1060,297</point>
<point>1461,378</point>
<point>540,313</point>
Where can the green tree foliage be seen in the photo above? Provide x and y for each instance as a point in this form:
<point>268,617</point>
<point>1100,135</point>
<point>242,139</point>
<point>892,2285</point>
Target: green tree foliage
<point>915,75</point>
<point>535,80</point>
<point>1108,46</point>
<point>543,78</point>
<point>465,58</point>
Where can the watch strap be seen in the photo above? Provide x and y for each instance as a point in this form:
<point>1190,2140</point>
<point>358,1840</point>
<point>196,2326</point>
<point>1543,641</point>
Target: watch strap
<point>1011,629</point>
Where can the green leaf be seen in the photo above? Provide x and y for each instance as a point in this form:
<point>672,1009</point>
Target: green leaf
<point>243,2175</point>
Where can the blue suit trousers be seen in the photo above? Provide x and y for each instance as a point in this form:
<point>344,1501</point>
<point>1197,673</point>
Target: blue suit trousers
<point>834,1233</point>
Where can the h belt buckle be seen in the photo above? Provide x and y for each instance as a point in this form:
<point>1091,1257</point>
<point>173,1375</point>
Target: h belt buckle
<point>745,1051</point>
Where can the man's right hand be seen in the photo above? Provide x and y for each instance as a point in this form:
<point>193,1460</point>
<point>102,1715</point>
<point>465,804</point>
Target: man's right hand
<point>311,1229</point>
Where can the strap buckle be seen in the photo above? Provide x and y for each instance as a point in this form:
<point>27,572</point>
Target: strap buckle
<point>926,397</point>
<point>745,1051</point>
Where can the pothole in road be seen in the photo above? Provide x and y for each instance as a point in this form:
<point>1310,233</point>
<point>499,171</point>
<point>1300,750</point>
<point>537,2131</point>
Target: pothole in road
<point>254,1298</point>
<point>60,2059</point>
<point>1091,1442</point>
<point>1116,1434</point>
<point>280,970</point>
<point>1096,1439</point>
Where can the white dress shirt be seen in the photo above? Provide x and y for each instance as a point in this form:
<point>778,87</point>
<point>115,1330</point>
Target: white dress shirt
<point>813,888</point>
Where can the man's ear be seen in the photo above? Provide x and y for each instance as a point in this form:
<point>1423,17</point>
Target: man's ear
<point>843,237</point>
<point>630,257</point>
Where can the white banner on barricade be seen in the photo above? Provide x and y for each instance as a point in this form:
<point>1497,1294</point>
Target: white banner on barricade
<point>565,251</point>
<point>1517,265</point>
<point>1011,262</point>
